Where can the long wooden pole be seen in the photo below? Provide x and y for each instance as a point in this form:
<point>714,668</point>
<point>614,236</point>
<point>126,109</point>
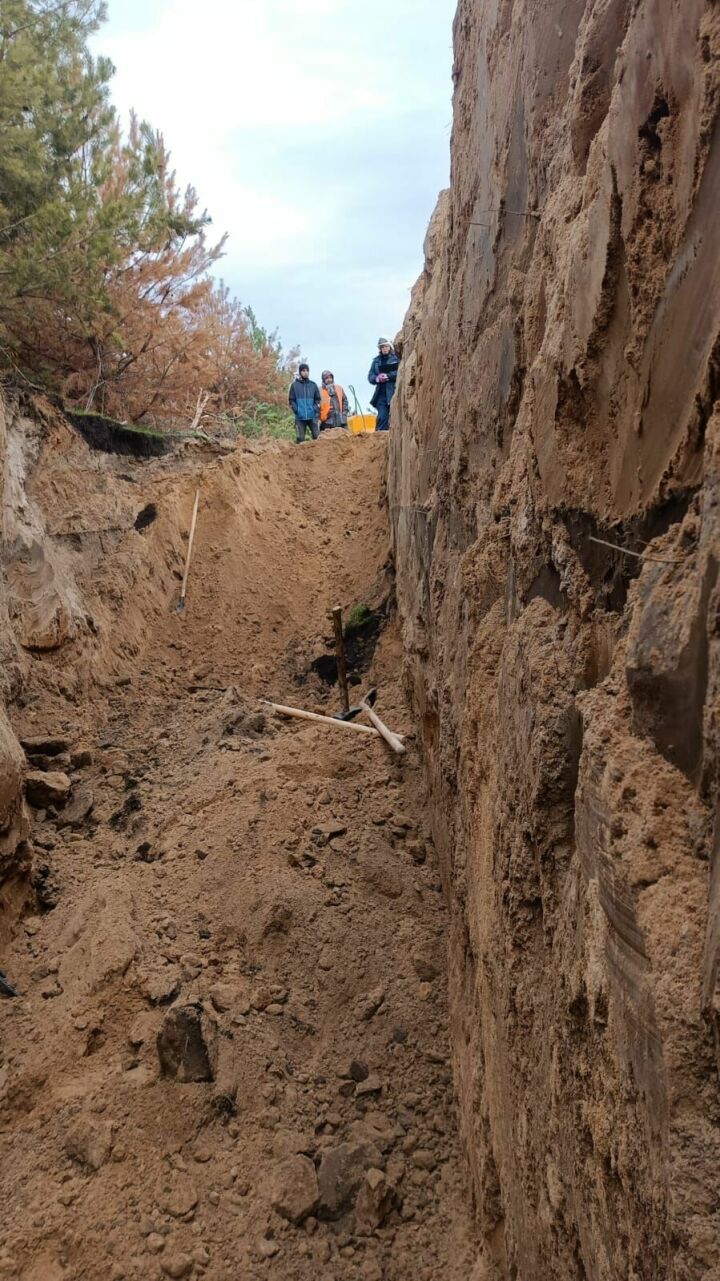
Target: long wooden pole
<point>190,547</point>
<point>340,652</point>
<point>301,715</point>
<point>391,739</point>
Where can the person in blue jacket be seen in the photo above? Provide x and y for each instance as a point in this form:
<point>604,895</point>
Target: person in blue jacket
<point>305,402</point>
<point>383,375</point>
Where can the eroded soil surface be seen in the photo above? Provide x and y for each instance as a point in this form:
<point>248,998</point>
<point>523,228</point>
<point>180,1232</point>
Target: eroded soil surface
<point>261,893</point>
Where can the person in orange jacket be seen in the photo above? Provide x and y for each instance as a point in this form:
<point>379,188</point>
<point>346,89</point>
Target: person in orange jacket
<point>334,406</point>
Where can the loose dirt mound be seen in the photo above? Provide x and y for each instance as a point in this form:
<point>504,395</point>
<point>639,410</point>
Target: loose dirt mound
<point>230,1055</point>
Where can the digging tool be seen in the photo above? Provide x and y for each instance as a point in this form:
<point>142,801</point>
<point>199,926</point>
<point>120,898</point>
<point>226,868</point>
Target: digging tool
<point>341,663</point>
<point>181,603</point>
<point>391,739</point>
<point>352,712</point>
<point>337,721</point>
<point>358,421</point>
<point>6,987</point>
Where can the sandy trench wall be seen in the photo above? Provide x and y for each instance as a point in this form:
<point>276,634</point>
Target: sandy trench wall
<point>78,585</point>
<point>559,386</point>
<point>92,551</point>
<point>13,825</point>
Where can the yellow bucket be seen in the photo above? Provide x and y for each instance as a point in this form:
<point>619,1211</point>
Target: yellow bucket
<point>361,422</point>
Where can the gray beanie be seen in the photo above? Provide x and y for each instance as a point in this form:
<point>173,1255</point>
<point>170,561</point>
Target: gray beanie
<point>384,342</point>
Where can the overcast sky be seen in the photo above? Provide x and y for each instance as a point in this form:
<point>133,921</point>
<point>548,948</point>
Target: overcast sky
<point>317,134</point>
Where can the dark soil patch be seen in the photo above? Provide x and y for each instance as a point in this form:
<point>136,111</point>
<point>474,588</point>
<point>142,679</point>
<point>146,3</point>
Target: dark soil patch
<point>111,437</point>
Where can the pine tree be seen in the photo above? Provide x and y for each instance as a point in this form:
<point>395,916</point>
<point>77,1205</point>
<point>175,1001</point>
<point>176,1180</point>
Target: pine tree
<point>105,293</point>
<point>54,123</point>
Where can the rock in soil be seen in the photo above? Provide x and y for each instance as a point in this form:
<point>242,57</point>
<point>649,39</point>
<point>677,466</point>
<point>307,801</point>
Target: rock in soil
<point>376,1200</point>
<point>371,1085</point>
<point>47,745</point>
<point>341,1172</point>
<point>187,1044</point>
<point>75,814</point>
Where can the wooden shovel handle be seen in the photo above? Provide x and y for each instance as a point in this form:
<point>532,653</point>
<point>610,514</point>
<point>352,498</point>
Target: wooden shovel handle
<point>300,714</point>
<point>341,663</point>
<point>190,545</point>
<point>391,739</point>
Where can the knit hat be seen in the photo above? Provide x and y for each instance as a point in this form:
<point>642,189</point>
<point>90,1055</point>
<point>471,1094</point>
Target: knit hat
<point>303,365</point>
<point>384,342</point>
<point>327,376</point>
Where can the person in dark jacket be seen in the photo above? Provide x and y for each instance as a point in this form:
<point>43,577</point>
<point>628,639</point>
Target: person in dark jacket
<point>383,375</point>
<point>305,403</point>
<point>334,409</point>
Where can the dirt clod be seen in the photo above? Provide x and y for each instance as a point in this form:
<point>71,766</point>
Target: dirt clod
<point>176,1265</point>
<point>89,1141</point>
<point>294,1190</point>
<point>46,789</point>
<point>178,1197</point>
<point>375,1201</point>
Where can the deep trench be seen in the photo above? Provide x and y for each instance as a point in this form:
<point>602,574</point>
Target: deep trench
<point>231,968</point>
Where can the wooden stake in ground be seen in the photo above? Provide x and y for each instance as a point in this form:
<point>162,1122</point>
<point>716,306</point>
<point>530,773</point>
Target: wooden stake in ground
<point>391,739</point>
<point>302,715</point>
<point>341,664</point>
<point>181,603</point>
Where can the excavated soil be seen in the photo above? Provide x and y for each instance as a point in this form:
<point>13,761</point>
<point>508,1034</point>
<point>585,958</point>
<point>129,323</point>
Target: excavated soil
<point>264,891</point>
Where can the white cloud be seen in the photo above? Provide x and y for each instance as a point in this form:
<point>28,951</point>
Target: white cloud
<point>251,67</point>
<point>316,133</point>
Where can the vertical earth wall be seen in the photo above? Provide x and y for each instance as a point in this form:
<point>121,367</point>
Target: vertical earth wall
<point>559,393</point>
